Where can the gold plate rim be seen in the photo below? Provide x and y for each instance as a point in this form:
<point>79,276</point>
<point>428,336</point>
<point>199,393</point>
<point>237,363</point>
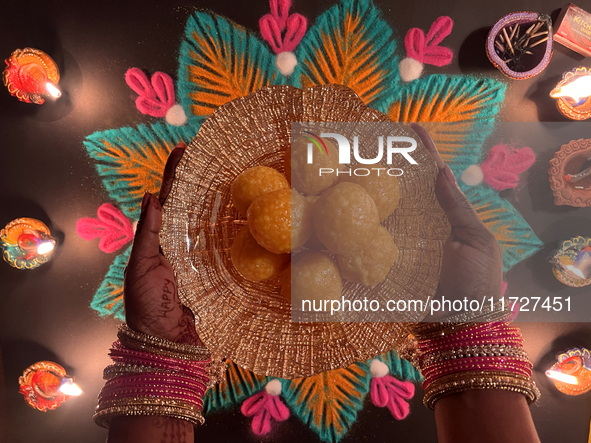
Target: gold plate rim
<point>241,320</point>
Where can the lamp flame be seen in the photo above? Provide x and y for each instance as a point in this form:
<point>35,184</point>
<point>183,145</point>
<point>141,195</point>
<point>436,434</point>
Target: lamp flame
<point>576,90</point>
<point>576,271</point>
<point>45,247</point>
<point>53,90</point>
<point>70,388</point>
<point>564,378</point>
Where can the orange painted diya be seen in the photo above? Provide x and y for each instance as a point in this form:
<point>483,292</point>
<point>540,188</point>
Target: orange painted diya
<point>26,243</point>
<point>31,75</point>
<point>41,385</point>
<point>572,372</point>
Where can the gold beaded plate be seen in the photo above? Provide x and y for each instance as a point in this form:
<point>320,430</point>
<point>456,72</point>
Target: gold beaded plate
<point>250,322</point>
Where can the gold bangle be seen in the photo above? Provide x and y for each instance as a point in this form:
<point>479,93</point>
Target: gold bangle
<point>492,350</point>
<point>119,370</point>
<point>451,325</point>
<point>465,381</point>
<point>499,309</point>
<point>139,341</point>
<point>148,406</point>
<point>461,378</point>
<point>152,349</point>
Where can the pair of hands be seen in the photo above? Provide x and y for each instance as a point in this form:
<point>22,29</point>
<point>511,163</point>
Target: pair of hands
<point>472,263</point>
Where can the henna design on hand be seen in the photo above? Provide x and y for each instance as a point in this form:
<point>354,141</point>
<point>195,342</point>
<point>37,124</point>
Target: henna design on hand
<point>170,298</point>
<point>187,333</point>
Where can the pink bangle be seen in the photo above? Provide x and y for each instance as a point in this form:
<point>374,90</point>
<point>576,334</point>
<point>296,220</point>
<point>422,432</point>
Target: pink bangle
<point>185,395</point>
<point>111,387</point>
<point>161,393</point>
<point>454,340</point>
<point>158,378</point>
<point>486,338</point>
<point>118,352</point>
<point>477,330</point>
<point>477,361</point>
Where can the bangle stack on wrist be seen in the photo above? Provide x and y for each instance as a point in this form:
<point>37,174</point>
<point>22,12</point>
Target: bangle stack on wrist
<point>456,357</point>
<point>153,376</point>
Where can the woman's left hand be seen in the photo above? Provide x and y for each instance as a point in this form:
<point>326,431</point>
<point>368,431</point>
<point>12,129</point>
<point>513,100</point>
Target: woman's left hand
<point>152,304</point>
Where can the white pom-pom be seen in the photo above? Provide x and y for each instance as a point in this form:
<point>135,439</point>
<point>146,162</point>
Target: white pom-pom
<point>472,176</point>
<point>273,387</point>
<point>410,69</point>
<point>378,368</point>
<point>176,116</point>
<point>286,62</point>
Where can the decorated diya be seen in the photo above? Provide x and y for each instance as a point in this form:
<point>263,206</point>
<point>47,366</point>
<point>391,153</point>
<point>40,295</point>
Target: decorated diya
<point>572,372</point>
<point>572,262</point>
<point>520,44</point>
<point>45,386</point>
<point>251,322</point>
<point>570,174</point>
<point>31,75</point>
<point>573,94</point>
<point>26,243</point>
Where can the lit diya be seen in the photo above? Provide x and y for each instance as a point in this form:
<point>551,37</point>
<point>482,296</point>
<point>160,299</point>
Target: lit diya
<point>572,262</point>
<point>572,94</point>
<point>572,372</point>
<point>31,75</point>
<point>26,243</point>
<point>45,385</point>
<point>570,174</point>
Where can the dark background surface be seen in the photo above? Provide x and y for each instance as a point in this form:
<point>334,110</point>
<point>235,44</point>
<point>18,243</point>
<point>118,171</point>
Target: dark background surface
<point>46,174</point>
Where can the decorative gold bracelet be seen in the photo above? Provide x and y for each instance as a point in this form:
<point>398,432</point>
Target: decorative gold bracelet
<point>451,325</point>
<point>492,350</point>
<point>139,341</point>
<point>118,370</point>
<point>148,406</point>
<point>465,381</point>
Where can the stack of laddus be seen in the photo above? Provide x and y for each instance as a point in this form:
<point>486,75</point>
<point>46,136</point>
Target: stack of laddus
<point>314,228</point>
